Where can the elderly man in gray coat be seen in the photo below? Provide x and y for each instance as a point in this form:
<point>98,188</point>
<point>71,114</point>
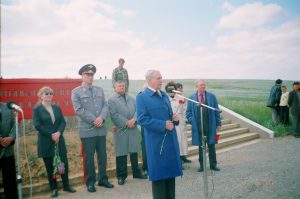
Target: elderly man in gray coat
<point>126,134</point>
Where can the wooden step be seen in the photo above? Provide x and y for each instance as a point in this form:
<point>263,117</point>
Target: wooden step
<point>237,140</point>
<point>226,142</point>
<point>224,121</point>
<point>229,126</point>
<point>231,130</point>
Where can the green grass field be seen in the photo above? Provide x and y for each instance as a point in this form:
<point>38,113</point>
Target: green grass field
<point>246,97</point>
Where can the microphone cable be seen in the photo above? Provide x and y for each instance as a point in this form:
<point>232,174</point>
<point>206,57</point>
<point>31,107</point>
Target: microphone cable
<point>26,155</point>
<point>212,182</point>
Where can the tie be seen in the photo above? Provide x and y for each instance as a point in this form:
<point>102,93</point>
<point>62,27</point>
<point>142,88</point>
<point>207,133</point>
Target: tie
<point>202,98</point>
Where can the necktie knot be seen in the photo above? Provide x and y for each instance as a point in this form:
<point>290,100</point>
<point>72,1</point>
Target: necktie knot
<point>202,99</point>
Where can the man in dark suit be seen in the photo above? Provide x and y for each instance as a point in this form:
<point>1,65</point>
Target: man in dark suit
<point>294,103</point>
<point>211,123</point>
<point>154,113</point>
<point>7,160</point>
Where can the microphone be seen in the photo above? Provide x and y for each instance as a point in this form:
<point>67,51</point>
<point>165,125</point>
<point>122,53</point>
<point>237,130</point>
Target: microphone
<point>14,106</point>
<point>175,91</point>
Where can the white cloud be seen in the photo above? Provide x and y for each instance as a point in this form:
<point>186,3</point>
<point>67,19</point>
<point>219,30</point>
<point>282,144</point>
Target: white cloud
<point>106,7</point>
<point>129,13</point>
<point>41,35</point>
<point>249,15</point>
<point>46,39</point>
<point>227,6</point>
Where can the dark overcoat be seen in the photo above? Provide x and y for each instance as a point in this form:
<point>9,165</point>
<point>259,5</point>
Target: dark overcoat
<point>43,124</point>
<point>192,115</point>
<point>7,128</point>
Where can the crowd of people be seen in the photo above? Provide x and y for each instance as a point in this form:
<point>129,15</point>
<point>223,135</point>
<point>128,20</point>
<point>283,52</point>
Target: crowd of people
<point>282,102</point>
<point>154,122</point>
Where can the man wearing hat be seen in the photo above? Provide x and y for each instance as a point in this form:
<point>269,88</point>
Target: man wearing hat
<point>120,74</point>
<point>91,108</point>
<point>274,100</point>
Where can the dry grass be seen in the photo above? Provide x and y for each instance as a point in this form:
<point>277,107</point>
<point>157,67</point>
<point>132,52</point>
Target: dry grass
<point>38,170</point>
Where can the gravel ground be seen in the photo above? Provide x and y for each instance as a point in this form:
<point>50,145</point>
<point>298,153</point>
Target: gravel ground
<point>269,169</point>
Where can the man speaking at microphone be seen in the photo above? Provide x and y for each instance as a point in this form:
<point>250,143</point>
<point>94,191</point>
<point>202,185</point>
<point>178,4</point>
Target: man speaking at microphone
<point>154,113</point>
<point>7,159</point>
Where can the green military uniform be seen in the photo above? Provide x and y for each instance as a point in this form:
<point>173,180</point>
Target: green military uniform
<point>120,75</point>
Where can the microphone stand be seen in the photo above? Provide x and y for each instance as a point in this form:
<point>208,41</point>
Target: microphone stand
<point>203,138</point>
<point>19,177</point>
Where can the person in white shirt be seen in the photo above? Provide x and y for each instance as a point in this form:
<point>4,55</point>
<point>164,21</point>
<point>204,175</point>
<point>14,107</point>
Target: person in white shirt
<point>179,108</point>
<point>283,106</point>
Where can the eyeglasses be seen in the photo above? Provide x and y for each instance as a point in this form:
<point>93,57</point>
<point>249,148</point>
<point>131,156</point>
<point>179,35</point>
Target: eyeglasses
<point>48,93</point>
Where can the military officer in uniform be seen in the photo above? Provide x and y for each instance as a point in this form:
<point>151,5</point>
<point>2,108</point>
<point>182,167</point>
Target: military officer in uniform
<point>127,137</point>
<point>120,74</point>
<point>91,108</point>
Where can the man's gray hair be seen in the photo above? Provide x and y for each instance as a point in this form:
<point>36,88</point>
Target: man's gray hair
<point>199,81</point>
<point>119,82</point>
<point>150,74</point>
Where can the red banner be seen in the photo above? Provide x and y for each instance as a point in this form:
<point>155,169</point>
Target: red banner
<point>24,93</point>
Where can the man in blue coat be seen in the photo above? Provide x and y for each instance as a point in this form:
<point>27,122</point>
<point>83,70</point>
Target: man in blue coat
<point>211,123</point>
<point>154,113</point>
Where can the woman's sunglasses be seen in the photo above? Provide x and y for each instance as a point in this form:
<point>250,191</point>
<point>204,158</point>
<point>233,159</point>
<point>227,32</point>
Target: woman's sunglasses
<point>48,93</point>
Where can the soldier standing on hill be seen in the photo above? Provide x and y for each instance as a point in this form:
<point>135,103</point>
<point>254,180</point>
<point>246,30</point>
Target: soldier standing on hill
<point>120,74</point>
<point>91,108</point>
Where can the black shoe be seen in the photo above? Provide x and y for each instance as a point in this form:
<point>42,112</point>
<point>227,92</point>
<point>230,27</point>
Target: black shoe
<point>105,184</point>
<point>145,172</point>
<point>215,168</point>
<point>54,193</point>
<point>91,188</point>
<point>297,136</point>
<point>185,160</point>
<point>121,181</point>
<point>200,169</point>
<point>70,190</point>
<point>140,176</point>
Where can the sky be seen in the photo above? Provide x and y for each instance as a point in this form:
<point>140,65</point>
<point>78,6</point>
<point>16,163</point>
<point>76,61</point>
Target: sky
<point>234,39</point>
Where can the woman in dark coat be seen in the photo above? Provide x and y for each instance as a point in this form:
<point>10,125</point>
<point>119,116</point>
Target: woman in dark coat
<point>50,124</point>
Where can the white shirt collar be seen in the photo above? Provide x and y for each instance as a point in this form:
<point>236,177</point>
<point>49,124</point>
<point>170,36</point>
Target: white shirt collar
<point>152,89</point>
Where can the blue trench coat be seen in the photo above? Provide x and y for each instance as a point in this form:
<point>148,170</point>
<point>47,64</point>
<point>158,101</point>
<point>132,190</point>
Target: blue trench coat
<point>152,113</point>
<point>192,116</point>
